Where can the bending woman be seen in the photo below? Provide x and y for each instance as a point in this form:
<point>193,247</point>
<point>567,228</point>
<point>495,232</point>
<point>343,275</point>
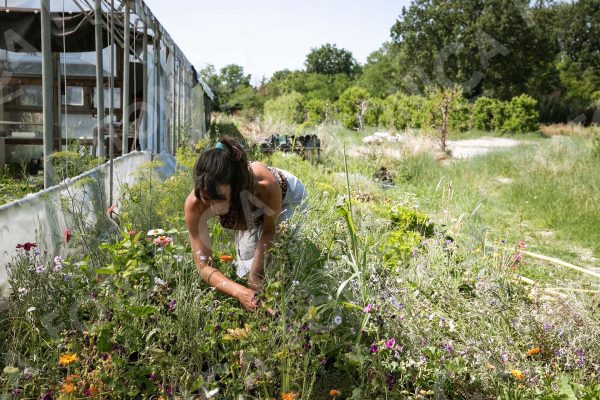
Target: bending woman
<point>249,198</point>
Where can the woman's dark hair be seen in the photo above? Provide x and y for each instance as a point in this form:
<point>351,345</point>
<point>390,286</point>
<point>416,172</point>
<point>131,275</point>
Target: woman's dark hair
<point>226,164</point>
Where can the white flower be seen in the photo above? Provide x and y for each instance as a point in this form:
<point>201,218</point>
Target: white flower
<point>337,320</point>
<point>58,267</point>
<point>159,281</point>
<point>58,260</point>
<point>155,232</point>
<point>22,290</point>
<point>178,258</point>
<point>295,283</point>
<point>31,309</point>
<point>40,268</point>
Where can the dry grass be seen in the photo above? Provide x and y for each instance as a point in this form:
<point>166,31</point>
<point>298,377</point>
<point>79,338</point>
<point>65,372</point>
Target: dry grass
<point>576,130</point>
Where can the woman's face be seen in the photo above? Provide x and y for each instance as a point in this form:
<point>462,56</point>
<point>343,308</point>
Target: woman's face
<point>219,207</point>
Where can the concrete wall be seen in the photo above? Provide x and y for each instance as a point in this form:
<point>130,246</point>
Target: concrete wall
<point>42,217</point>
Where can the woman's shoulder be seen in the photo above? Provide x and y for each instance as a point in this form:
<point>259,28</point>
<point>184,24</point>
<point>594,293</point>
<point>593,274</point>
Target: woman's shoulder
<point>264,181</point>
<point>193,205</point>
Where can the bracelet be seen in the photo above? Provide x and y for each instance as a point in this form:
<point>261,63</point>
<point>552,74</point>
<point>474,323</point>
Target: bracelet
<point>209,276</point>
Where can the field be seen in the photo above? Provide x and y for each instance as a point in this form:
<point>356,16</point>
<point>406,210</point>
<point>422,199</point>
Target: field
<point>411,277</point>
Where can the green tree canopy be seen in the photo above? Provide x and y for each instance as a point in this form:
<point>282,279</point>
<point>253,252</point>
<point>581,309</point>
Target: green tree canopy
<point>329,60</point>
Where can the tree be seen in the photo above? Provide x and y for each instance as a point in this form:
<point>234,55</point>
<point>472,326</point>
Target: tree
<point>352,105</point>
<point>483,46</point>
<point>380,74</point>
<point>329,60</point>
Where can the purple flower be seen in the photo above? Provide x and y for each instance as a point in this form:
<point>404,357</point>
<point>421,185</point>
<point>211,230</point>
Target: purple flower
<point>218,328</point>
<point>324,361</point>
<point>118,348</point>
<point>389,344</point>
<point>448,347</point>
<point>172,305</point>
<point>504,357</point>
<point>547,326</point>
<point>390,381</point>
<point>306,346</point>
<point>153,377</point>
<point>374,348</point>
<point>46,396</point>
<point>368,308</point>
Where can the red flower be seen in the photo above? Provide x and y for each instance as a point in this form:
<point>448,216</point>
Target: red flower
<point>67,235</point>
<point>26,246</point>
<point>110,210</point>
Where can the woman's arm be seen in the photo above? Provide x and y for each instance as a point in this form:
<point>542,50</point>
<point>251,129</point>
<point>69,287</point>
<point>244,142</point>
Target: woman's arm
<point>196,217</point>
<point>272,209</point>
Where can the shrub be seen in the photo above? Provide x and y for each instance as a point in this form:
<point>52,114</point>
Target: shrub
<point>374,110</point>
<point>286,108</point>
<point>521,115</point>
<point>349,107</point>
<point>483,113</point>
<point>400,111</point>
<point>315,111</point>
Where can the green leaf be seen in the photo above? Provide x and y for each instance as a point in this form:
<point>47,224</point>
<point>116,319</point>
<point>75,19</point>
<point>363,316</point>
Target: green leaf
<point>565,388</point>
<point>142,311</point>
<point>110,270</point>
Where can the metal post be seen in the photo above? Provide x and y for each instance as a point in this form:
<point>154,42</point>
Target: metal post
<point>174,134</point>
<point>125,105</point>
<point>100,150</point>
<point>111,100</point>
<point>47,78</point>
<point>156,134</point>
<point>145,85</point>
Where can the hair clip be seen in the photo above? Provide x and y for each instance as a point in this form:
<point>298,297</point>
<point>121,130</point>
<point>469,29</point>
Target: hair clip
<point>220,146</point>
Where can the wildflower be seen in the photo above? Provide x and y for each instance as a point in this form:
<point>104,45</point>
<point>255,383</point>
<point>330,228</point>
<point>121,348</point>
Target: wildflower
<point>155,232</point>
<point>111,210</point>
<point>323,361</point>
<point>448,347</point>
<point>295,283</point>
<point>162,241</point>
<point>40,269</point>
<point>389,344</point>
<point>374,348</point>
<point>517,374</point>
<point>335,393</point>
<point>547,326</point>
<point>22,290</point>
<point>504,357</point>
<point>26,246</point>
<point>172,305</point>
<point>72,378</point>
<point>533,352</point>
<point>67,235</point>
<point>390,381</point>
<point>522,245</point>
<point>159,281</point>
<point>67,359</point>
<point>307,346</point>
<point>288,396</point>
<point>178,257</point>
<point>226,258</point>
<point>10,370</point>
<point>27,373</point>
<point>47,396</point>
<point>92,391</point>
<point>368,308</point>
<point>67,388</point>
<point>57,263</point>
<point>337,320</point>
<point>31,309</point>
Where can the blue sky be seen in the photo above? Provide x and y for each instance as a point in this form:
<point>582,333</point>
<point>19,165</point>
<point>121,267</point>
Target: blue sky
<point>264,36</point>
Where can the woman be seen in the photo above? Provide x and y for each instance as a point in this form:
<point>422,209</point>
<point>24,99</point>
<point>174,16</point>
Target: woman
<point>247,197</point>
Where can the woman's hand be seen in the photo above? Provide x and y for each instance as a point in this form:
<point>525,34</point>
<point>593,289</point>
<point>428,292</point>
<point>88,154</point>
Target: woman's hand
<point>247,298</point>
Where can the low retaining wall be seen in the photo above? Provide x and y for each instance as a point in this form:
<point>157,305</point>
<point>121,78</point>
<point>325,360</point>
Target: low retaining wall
<point>41,217</point>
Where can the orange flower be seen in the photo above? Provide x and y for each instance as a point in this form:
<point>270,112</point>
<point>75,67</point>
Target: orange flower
<point>67,388</point>
<point>226,258</point>
<point>67,359</point>
<point>72,378</point>
<point>517,374</point>
<point>93,391</point>
<point>334,393</point>
<point>533,352</point>
<point>288,396</point>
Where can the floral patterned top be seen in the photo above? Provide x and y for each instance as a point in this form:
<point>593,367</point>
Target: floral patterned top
<point>228,220</point>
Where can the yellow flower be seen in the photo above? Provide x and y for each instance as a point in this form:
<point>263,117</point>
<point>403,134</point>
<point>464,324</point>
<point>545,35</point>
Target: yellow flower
<point>67,388</point>
<point>334,393</point>
<point>517,374</point>
<point>288,396</point>
<point>237,333</point>
<point>67,359</point>
<point>533,352</point>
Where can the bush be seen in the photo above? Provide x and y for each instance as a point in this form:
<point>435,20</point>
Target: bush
<point>286,108</point>
<point>315,111</point>
<point>483,113</point>
<point>521,115</point>
<point>349,106</point>
<point>401,111</point>
<point>374,111</point>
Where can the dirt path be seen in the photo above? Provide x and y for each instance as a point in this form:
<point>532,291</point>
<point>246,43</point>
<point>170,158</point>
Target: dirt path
<point>476,147</point>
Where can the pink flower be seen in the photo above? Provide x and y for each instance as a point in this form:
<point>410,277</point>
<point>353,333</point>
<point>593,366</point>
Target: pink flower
<point>389,344</point>
<point>368,308</point>
<point>374,348</point>
<point>67,235</point>
<point>162,241</point>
